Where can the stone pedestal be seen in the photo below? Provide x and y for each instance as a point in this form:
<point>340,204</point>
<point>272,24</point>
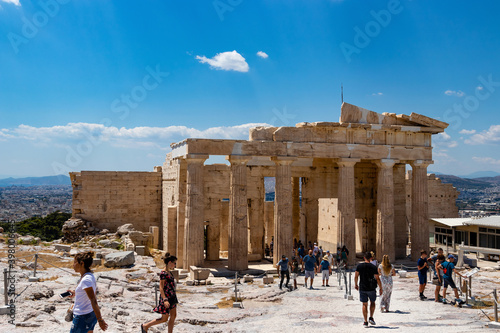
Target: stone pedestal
<point>193,228</point>
<point>347,225</point>
<point>155,231</point>
<point>385,210</point>
<point>238,224</point>
<point>283,229</point>
<point>419,210</point>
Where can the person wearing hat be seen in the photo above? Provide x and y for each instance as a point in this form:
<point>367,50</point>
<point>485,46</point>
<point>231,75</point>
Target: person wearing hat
<point>448,267</point>
<point>326,270</point>
<point>283,270</point>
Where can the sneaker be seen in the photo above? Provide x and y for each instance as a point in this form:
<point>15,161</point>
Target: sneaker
<point>371,321</point>
<point>423,296</point>
<point>444,301</point>
<point>328,285</point>
<point>365,324</point>
<point>311,288</point>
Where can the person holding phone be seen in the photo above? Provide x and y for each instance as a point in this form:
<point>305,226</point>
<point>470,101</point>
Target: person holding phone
<point>86,312</point>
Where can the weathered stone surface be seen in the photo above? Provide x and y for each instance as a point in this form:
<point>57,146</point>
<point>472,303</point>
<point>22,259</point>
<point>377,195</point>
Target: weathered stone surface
<point>75,229</point>
<point>119,259</point>
<point>62,247</point>
<point>124,229</point>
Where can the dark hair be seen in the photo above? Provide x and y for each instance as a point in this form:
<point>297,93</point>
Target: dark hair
<point>423,252</point>
<point>169,258</point>
<point>440,249</point>
<point>441,257</point>
<point>367,255</point>
<point>86,258</point>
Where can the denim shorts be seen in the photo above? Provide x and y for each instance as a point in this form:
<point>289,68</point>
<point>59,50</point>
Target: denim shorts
<point>365,295</point>
<point>83,323</point>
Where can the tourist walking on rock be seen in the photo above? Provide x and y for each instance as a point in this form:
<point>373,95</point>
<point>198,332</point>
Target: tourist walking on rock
<point>167,306</point>
<point>283,270</point>
<point>295,271</point>
<point>439,276</point>
<point>310,265</point>
<point>368,282</point>
<point>423,267</point>
<point>386,272</point>
<point>86,312</point>
<point>448,267</point>
<point>325,270</point>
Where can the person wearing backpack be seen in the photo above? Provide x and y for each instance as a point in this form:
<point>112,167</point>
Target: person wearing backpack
<point>368,282</point>
<point>448,267</point>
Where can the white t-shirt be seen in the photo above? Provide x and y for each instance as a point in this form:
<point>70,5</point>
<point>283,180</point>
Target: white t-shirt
<point>82,301</point>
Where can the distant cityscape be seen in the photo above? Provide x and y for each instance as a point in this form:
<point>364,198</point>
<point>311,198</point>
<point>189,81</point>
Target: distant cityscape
<point>478,197</point>
<point>18,203</point>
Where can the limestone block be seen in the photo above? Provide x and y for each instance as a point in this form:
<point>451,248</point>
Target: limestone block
<point>97,261</point>
<point>120,259</point>
<point>198,273</point>
<point>62,247</point>
<point>142,250</point>
<point>124,229</point>
<point>268,280</point>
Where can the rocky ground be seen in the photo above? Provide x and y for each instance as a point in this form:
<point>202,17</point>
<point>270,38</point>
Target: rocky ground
<point>127,296</point>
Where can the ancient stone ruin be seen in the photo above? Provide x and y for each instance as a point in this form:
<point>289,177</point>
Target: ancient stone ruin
<point>339,183</point>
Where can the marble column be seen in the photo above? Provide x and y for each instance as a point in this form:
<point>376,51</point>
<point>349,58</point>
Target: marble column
<point>385,209</point>
<point>400,220</point>
<point>296,207</point>
<point>238,222</point>
<point>283,228</point>
<point>346,207</point>
<point>419,208</point>
<point>181,211</point>
<point>193,226</point>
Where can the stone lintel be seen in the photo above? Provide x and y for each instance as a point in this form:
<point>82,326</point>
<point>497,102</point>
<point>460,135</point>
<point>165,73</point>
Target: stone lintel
<point>283,160</point>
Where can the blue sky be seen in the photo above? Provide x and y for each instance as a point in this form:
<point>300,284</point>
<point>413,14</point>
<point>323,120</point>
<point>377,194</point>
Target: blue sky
<point>108,85</point>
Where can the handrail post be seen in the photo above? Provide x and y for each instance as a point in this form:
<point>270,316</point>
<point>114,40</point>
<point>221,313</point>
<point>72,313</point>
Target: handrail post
<point>470,286</point>
<point>36,261</point>
<point>5,286</point>
<point>495,300</point>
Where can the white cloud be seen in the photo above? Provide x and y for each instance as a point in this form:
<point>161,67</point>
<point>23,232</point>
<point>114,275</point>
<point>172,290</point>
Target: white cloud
<point>486,160</point>
<point>159,137</point>
<point>443,140</point>
<point>377,94</point>
<point>464,131</point>
<point>490,136</point>
<point>262,55</point>
<point>14,2</point>
<point>479,87</point>
<point>227,61</point>
<point>458,93</point>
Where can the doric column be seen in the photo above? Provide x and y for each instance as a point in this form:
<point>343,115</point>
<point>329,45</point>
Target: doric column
<point>385,209</point>
<point>296,207</point>
<point>419,209</point>
<point>238,222</point>
<point>193,226</point>
<point>400,220</point>
<point>347,208</point>
<point>283,229</point>
<point>181,211</point>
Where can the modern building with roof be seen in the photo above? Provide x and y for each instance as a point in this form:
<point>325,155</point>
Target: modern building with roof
<point>478,232</point>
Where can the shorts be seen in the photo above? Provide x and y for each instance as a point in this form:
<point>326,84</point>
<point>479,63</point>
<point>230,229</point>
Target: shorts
<point>325,274</point>
<point>449,282</point>
<point>309,274</point>
<point>294,276</point>
<point>422,278</point>
<point>83,323</point>
<point>365,295</point>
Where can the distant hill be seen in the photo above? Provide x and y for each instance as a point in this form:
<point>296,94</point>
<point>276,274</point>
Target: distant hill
<point>31,181</point>
<point>481,174</point>
<point>491,180</point>
<point>465,183</point>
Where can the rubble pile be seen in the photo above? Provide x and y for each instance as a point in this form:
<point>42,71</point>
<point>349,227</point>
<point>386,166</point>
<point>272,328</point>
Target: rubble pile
<point>75,229</point>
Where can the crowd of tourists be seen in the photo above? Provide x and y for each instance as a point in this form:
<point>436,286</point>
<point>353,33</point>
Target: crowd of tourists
<point>369,275</point>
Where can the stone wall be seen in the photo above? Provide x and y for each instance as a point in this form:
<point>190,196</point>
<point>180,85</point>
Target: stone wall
<point>328,221</point>
<point>110,199</point>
